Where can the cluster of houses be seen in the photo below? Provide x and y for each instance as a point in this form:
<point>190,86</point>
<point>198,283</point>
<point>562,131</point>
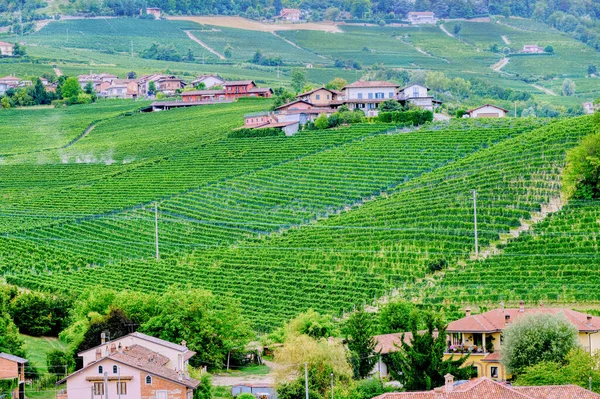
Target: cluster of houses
<point>110,86</point>
<point>480,335</point>
<point>12,82</point>
<point>365,96</point>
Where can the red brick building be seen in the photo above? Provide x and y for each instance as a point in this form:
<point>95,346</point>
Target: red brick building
<point>230,91</point>
<point>13,368</point>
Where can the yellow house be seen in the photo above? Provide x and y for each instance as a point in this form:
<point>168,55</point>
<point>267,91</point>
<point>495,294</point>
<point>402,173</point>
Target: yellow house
<point>320,97</point>
<point>481,335</point>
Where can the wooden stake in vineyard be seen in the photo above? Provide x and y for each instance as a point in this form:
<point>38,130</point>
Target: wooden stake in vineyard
<point>475,223</point>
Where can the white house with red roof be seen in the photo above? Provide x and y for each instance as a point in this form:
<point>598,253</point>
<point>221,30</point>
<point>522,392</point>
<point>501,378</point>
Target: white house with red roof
<point>136,366</point>
<point>485,388</point>
<point>424,17</point>
<point>7,49</point>
<point>290,14</point>
<point>486,111</point>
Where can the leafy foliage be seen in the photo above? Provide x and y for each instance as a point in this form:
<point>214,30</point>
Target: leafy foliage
<point>581,177</point>
<point>39,314</point>
<point>536,338</point>
<point>358,330</point>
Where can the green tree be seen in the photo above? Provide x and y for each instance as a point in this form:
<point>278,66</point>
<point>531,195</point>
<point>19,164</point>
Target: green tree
<point>115,324</point>
<point>581,176</point>
<point>536,338</point>
<point>359,8</point>
<point>189,56</point>
<point>456,29</point>
<point>228,51</point>
<point>331,14</point>
<point>59,362</point>
<point>395,316</point>
<point>358,330</point>
<point>321,122</point>
<point>5,103</point>
<point>568,87</point>
<point>70,88</point>
<point>336,84</point>
<point>19,50</point>
<point>89,88</point>
<point>38,93</point>
<point>549,49</point>
<point>210,328</point>
<point>578,367</point>
<point>298,79</point>
<point>39,314</point>
<point>151,88</point>
<point>419,364</point>
<point>205,389</point>
<point>592,70</point>
<point>390,106</point>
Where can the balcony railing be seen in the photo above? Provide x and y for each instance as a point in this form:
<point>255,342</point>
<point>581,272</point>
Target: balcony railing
<point>464,349</point>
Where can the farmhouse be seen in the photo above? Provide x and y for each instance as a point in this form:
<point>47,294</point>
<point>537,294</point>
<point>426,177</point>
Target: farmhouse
<point>320,97</point>
<point>482,388</point>
<point>230,91</point>
<point>13,368</point>
<point>208,80</point>
<point>155,11</point>
<point>136,365</point>
<point>367,96</point>
<point>480,336</point>
<point>532,49</point>
<point>417,18</point>
<point>290,14</point>
<point>6,49</point>
<point>486,111</point>
<point>167,84</point>
<point>8,82</point>
<point>589,107</point>
<point>418,95</point>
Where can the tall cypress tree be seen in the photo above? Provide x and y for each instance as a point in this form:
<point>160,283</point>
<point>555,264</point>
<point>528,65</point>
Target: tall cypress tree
<point>419,364</point>
<point>359,335</point>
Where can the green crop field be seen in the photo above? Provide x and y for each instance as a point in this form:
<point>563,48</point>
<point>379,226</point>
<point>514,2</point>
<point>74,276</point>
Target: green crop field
<point>326,220</point>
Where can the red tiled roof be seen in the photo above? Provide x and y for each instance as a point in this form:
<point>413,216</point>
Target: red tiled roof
<point>485,388</point>
<point>557,392</point>
<point>495,320</point>
<point>308,93</point>
<point>386,343</point>
<point>202,92</point>
<point>239,83</point>
<point>375,83</point>
<point>292,103</point>
<point>6,44</point>
<point>492,357</point>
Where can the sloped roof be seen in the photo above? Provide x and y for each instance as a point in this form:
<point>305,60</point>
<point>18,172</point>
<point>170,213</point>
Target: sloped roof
<point>202,92</point>
<point>144,359</point>
<point>158,341</point>
<point>485,388</point>
<point>557,392</point>
<point>374,83</point>
<point>308,93</point>
<point>287,105</point>
<point>486,105</point>
<point>11,78</point>
<point>13,358</point>
<point>239,83</point>
<point>495,320</point>
<point>6,44</point>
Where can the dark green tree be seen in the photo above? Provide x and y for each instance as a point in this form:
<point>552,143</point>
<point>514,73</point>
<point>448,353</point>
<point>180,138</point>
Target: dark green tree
<point>419,363</point>
<point>59,362</point>
<point>298,79</point>
<point>89,88</point>
<point>581,177</point>
<point>395,316</point>
<point>358,330</point>
<point>39,314</point>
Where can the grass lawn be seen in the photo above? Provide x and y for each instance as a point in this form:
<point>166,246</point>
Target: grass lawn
<point>247,370</point>
<point>222,392</point>
<point>37,348</point>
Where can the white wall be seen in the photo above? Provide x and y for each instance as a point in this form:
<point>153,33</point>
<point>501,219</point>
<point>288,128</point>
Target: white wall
<point>488,110</point>
<point>352,93</point>
<point>409,92</point>
<point>79,388</point>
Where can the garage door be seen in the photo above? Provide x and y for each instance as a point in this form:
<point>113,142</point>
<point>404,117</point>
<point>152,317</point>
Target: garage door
<point>489,115</point>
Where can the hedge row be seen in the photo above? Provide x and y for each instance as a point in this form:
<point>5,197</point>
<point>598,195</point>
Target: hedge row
<point>413,117</point>
<point>246,132</point>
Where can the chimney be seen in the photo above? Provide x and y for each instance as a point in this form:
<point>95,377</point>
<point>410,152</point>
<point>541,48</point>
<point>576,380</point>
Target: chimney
<point>449,382</point>
<point>502,306</point>
<point>521,306</point>
<point>589,320</point>
<point>113,348</point>
<point>507,319</point>
<point>184,343</point>
<point>102,338</point>
<point>98,354</point>
<point>468,312</point>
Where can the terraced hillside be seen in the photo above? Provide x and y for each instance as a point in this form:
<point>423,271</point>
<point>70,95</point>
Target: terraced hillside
<point>557,261</point>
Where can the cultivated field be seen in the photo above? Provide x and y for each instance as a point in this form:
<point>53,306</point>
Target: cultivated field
<point>246,24</point>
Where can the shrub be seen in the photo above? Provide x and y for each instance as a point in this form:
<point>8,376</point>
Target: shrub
<point>59,362</point>
<point>581,177</point>
<point>414,117</point>
<point>245,133</point>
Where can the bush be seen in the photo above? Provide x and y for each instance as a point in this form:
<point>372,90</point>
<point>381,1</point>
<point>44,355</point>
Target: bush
<point>414,117</point>
<point>581,177</point>
<point>245,133</point>
<point>245,395</point>
<point>437,265</point>
<point>39,314</point>
<point>59,362</point>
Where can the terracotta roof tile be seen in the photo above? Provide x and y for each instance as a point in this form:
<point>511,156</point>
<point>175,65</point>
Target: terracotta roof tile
<point>557,392</point>
<point>366,84</point>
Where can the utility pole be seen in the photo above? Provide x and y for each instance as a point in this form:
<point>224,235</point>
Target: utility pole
<point>119,382</point>
<point>306,379</point>
<point>156,230</point>
<point>332,386</point>
<point>515,109</point>
<point>67,36</point>
<point>475,223</point>
<point>106,385</point>
<point>132,49</point>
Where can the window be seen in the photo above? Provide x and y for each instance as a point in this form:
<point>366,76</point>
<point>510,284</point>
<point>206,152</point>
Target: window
<point>494,371</point>
<point>98,388</point>
<point>370,96</point>
<point>115,369</point>
<point>148,380</point>
<point>100,370</point>
<point>318,96</point>
<point>328,96</point>
<point>121,388</point>
<point>161,394</point>
<point>360,96</point>
<point>391,94</point>
<point>415,91</point>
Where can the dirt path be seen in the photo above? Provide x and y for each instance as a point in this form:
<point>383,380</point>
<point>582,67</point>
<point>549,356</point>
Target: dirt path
<point>291,43</point>
<point>500,64</point>
<point>243,23</point>
<point>206,46</point>
<point>87,131</point>
<point>545,90</point>
<point>58,72</point>
<point>230,380</point>
<point>506,41</point>
<point>442,27</point>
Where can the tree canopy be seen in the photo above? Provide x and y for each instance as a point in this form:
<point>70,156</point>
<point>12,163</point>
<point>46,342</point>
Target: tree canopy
<point>581,177</point>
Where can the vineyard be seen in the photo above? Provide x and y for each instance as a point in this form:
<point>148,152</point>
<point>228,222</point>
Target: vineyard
<point>326,220</point>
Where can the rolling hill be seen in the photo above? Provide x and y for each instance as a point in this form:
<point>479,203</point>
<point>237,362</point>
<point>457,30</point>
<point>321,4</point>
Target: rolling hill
<point>324,219</point>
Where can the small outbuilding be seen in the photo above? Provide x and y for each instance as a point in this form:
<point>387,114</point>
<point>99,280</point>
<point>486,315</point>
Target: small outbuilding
<point>486,111</point>
<point>260,391</point>
<point>13,368</point>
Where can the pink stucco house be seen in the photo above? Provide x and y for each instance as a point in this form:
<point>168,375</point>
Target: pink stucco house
<point>136,366</point>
